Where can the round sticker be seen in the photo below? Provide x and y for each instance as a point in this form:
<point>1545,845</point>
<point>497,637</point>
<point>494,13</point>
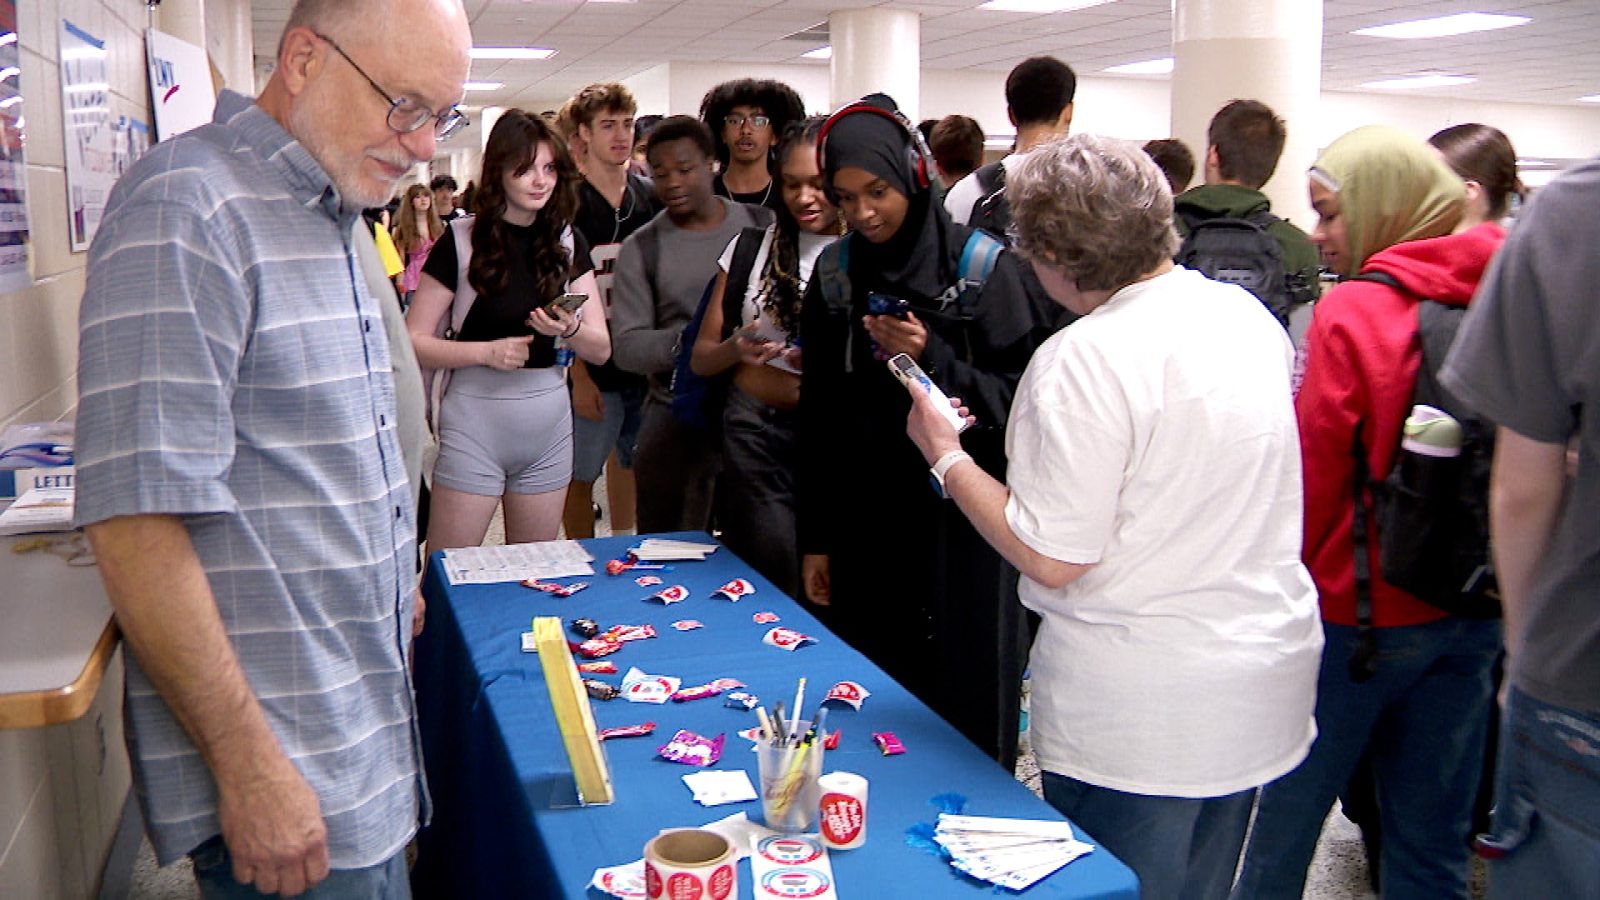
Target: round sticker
<point>789,850</point>
<point>683,886</point>
<point>652,881</point>
<point>722,883</point>
<point>792,883</point>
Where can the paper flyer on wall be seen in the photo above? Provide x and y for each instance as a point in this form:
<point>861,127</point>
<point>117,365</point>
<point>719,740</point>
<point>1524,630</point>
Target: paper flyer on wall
<point>14,235</point>
<point>90,138</point>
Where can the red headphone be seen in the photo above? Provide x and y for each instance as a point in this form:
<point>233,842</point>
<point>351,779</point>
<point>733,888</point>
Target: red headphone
<point>917,152</point>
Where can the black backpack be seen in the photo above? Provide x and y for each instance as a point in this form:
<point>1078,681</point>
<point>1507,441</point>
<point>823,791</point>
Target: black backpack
<point>1431,512</point>
<point>1242,252</point>
<point>992,211</point>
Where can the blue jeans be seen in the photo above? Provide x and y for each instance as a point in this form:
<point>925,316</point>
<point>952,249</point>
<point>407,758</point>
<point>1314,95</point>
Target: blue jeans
<point>618,428</point>
<point>1178,846</point>
<point>1424,719</point>
<point>1546,838</point>
<point>213,873</point>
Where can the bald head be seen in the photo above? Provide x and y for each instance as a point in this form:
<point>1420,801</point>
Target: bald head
<point>361,22</point>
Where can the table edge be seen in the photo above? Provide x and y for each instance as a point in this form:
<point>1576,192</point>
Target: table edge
<point>56,706</point>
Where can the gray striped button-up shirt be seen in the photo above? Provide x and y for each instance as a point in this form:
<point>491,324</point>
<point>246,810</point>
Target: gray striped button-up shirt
<point>233,370</point>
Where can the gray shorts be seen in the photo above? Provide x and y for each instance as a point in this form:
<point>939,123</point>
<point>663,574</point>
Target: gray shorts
<point>505,432</point>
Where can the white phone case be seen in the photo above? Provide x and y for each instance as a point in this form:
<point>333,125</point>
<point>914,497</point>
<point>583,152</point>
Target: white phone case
<point>906,369</point>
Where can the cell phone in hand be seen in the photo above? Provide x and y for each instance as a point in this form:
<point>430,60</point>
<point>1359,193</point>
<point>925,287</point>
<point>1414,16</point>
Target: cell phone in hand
<point>569,302</point>
<point>911,375</point>
<point>887,305</point>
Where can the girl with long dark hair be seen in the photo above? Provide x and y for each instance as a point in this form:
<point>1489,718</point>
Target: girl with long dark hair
<point>759,438</point>
<point>486,311</point>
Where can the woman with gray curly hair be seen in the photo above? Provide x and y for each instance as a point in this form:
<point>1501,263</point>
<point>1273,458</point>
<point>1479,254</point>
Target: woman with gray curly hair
<point>1152,504</point>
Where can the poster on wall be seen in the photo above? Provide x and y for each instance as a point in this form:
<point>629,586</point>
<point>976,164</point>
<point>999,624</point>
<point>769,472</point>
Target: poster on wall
<point>181,91</point>
<point>13,170</point>
<point>90,136</point>
<point>132,139</point>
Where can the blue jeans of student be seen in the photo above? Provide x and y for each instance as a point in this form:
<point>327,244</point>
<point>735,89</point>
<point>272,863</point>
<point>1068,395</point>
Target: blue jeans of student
<point>213,873</point>
<point>1180,848</point>
<point>1424,718</point>
<point>1546,832</point>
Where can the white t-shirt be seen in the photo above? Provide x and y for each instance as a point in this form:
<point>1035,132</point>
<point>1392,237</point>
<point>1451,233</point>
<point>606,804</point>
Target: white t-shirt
<point>958,201</point>
<point>1156,439</point>
<point>754,313</point>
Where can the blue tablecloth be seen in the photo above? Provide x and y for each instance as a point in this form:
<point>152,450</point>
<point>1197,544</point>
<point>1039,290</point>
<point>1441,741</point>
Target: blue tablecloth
<point>497,769</point>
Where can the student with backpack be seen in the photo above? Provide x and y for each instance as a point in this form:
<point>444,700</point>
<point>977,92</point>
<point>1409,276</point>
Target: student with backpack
<point>662,278</point>
<point>908,580</point>
<point>1228,229</point>
<point>1389,484</point>
<point>751,331</point>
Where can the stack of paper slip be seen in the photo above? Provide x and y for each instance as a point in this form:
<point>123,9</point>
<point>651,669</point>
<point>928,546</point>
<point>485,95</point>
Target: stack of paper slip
<point>493,564</point>
<point>662,550</point>
<point>1012,853</point>
<point>40,509</point>
<point>714,787</point>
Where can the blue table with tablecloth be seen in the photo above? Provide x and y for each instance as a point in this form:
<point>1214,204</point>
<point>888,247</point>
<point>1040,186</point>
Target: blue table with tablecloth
<point>500,781</point>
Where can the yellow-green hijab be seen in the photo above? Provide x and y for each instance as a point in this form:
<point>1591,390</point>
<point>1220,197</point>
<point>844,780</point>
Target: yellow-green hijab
<point>1392,188</point>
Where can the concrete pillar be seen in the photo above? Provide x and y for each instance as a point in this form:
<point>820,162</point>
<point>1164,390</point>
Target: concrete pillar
<point>1266,50</point>
<point>877,50</point>
<point>230,43</point>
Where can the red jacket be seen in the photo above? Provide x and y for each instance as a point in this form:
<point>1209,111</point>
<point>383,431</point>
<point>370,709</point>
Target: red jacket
<point>1362,354</point>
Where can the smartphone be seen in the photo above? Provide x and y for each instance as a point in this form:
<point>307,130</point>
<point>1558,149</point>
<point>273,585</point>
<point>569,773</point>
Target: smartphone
<point>911,375</point>
<point>887,305</point>
<point>569,302</point>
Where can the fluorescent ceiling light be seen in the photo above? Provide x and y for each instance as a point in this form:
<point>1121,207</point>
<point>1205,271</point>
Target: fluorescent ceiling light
<point>8,39</point>
<point>483,85</point>
<point>1148,67</point>
<point>1419,82</point>
<point>1444,26</point>
<point>512,53</point>
<point>9,102</point>
<point>825,52</point>
<point>1040,6</point>
<point>1592,98</point>
<point>1534,164</point>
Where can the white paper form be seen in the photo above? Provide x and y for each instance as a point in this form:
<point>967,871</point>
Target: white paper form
<point>544,560</point>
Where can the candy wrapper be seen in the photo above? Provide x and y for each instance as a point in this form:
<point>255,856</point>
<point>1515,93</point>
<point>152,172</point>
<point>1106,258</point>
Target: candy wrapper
<point>599,690</point>
<point>848,692</point>
<point>586,627</point>
<point>707,690</point>
<point>647,580</point>
<point>688,624</point>
<point>553,589</point>
<point>598,668</point>
<point>691,749</point>
<point>638,687</point>
<point>625,633</point>
<point>668,596</point>
<point>764,618</point>
<point>887,743</point>
<point>623,731</point>
<point>734,590</point>
<point>626,881</point>
<point>831,742</point>
<point>595,648</point>
<point>618,566</point>
<point>741,700</point>
<point>787,638</point>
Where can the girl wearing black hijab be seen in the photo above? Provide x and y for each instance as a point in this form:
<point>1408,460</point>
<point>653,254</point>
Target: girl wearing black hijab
<point>902,574</point>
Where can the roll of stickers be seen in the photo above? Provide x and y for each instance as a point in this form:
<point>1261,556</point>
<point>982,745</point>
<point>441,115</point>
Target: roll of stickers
<point>690,864</point>
<point>844,810</point>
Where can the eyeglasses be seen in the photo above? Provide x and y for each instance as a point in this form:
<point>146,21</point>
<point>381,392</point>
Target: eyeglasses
<point>737,120</point>
<point>405,114</point>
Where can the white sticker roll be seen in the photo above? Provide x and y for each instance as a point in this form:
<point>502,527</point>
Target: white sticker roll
<point>690,864</point>
<point>844,810</point>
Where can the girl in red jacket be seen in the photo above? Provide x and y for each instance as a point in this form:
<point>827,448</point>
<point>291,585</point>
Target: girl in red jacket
<point>1385,203</point>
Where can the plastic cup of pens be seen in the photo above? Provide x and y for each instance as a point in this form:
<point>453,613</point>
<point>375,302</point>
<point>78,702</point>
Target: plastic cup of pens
<point>787,771</point>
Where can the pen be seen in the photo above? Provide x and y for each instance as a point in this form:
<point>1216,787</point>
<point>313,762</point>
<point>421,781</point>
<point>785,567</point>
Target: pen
<point>779,738</point>
<point>766,723</point>
<point>799,699</point>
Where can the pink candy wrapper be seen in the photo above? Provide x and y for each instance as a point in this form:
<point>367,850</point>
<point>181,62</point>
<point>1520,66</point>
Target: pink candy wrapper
<point>691,749</point>
<point>596,647</point>
<point>831,742</point>
<point>707,690</point>
<point>764,618</point>
<point>638,687</point>
<point>787,638</point>
<point>734,590</point>
<point>848,692</point>
<point>553,589</point>
<point>622,634</point>
<point>598,668</point>
<point>647,580</point>
<point>688,624</point>
<point>668,596</point>
<point>639,730</point>
<point>887,743</point>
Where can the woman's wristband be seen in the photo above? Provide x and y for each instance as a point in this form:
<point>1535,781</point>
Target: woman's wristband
<point>576,325</point>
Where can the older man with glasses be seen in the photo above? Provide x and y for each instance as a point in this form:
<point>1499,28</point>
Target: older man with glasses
<point>243,484</point>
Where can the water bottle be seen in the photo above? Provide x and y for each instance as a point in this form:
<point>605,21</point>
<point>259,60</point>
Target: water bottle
<point>563,353</point>
<point>1430,445</point>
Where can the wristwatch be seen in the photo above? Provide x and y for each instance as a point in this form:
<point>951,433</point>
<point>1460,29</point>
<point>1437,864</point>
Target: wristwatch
<point>941,468</point>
